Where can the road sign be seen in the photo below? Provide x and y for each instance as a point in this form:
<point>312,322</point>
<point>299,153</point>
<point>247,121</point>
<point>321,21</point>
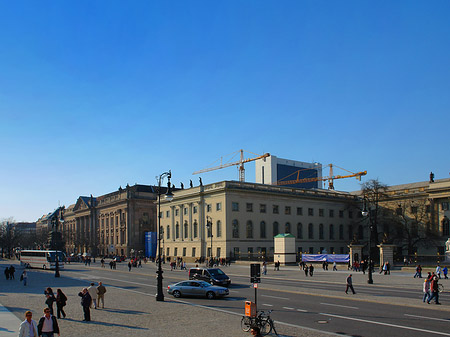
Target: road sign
<point>255,273</point>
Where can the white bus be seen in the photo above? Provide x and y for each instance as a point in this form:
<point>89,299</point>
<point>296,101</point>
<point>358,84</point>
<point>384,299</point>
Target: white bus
<point>44,259</point>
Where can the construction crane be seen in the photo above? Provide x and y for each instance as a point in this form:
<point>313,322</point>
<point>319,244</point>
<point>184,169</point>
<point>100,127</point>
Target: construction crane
<point>240,163</point>
<point>330,178</point>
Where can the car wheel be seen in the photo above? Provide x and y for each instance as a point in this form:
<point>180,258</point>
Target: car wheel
<point>176,294</point>
<point>210,295</point>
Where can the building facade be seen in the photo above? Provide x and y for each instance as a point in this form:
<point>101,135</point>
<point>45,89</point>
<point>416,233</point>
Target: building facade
<point>111,224</point>
<point>245,217</point>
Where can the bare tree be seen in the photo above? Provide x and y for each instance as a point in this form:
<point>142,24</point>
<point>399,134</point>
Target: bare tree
<point>373,192</point>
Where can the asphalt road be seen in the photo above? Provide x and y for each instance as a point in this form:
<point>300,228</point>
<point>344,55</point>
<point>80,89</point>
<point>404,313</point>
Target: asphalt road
<point>317,303</point>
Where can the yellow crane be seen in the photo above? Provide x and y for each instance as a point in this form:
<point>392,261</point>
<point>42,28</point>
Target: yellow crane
<point>240,163</point>
<point>330,178</point>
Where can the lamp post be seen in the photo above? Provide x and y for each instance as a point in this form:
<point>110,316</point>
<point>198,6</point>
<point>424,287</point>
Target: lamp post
<point>56,239</point>
<point>209,226</point>
<point>169,197</point>
<point>366,213</point>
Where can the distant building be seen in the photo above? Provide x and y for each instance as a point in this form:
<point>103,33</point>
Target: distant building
<point>272,169</point>
<point>25,227</point>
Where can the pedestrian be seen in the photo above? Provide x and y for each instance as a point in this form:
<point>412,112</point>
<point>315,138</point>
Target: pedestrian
<point>48,325</point>
<point>438,271</point>
<point>434,288</point>
<point>349,284</point>
<point>306,271</point>
<point>311,270</point>
<point>129,265</point>
<point>61,301</point>
<point>426,290</point>
<point>24,277</point>
<point>12,270</point>
<point>85,303</point>
<point>418,271</point>
<point>29,326</point>
<point>101,290</point>
<point>50,299</point>
<point>93,292</point>
<point>264,268</point>
<point>111,264</point>
<point>7,273</point>
<point>103,262</point>
<point>445,271</point>
<point>334,266</point>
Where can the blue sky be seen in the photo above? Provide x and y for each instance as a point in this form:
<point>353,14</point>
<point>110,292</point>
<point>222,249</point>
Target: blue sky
<point>98,94</point>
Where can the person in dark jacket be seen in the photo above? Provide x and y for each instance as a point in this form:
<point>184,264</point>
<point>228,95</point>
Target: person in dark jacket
<point>86,303</point>
<point>61,301</point>
<point>48,325</point>
<point>50,299</point>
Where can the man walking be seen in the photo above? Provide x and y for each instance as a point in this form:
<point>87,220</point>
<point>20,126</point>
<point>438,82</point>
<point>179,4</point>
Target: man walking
<point>93,293</point>
<point>85,303</point>
<point>349,284</point>
<point>101,290</point>
<point>434,290</point>
<point>48,325</point>
<point>28,327</point>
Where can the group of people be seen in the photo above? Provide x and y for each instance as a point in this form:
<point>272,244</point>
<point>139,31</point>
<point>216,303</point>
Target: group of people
<point>92,297</point>
<point>431,288</point>
<point>309,270</point>
<point>9,272</point>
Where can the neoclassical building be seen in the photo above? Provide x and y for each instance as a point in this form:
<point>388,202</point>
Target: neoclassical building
<point>246,216</point>
<point>114,223</point>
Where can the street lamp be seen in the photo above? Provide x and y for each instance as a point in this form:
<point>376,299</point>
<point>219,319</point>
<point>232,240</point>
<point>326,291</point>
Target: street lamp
<point>366,213</point>
<point>56,238</point>
<point>209,226</point>
<point>168,197</point>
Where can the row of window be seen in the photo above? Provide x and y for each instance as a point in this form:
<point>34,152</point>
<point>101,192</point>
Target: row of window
<point>217,226</point>
<point>249,231</point>
<point>288,210</point>
<point>194,210</point>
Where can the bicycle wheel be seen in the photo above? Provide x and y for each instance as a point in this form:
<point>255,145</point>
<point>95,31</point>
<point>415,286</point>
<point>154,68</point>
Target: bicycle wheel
<point>246,323</point>
<point>440,288</point>
<point>266,325</point>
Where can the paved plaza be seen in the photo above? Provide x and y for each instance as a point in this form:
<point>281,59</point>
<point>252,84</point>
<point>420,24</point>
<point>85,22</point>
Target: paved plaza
<point>132,313</point>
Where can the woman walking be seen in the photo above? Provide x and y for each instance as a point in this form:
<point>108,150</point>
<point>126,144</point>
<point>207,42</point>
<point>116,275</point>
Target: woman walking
<point>61,301</point>
<point>50,299</point>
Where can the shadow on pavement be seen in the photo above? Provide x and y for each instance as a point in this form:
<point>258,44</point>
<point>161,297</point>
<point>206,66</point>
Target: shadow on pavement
<point>107,324</point>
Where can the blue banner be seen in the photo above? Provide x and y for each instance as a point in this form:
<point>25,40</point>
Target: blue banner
<point>150,244</point>
<point>338,258</point>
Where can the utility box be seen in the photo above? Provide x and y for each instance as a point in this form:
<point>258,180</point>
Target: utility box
<point>250,309</point>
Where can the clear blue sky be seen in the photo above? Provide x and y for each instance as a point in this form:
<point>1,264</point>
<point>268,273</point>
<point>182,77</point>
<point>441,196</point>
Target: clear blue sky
<point>98,94</point>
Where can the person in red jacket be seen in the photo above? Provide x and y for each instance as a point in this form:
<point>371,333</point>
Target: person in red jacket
<point>434,290</point>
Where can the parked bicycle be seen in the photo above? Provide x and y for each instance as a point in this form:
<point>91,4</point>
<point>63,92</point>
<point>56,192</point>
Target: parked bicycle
<point>262,320</point>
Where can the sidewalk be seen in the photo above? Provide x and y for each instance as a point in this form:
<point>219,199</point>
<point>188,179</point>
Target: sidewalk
<point>9,323</point>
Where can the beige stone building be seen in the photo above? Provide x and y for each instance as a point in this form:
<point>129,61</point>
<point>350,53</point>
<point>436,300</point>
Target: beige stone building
<point>114,223</point>
<point>245,218</point>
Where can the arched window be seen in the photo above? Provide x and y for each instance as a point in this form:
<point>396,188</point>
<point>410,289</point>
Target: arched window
<point>177,231</point>
<point>185,229</point>
<point>331,232</point>
<point>299,231</point>
<point>321,232</point>
<point>275,229</point>
<point>235,229</point>
<point>249,230</point>
<point>341,232</point>
<point>218,229</point>
<point>287,228</point>
<point>195,229</point>
<point>310,231</point>
<point>168,232</point>
<point>445,226</point>
<point>360,232</point>
<point>262,229</point>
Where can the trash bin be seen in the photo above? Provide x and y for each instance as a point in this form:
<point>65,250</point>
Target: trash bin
<point>250,309</point>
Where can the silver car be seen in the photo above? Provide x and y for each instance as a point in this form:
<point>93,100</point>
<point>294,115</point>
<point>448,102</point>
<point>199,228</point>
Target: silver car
<point>196,288</point>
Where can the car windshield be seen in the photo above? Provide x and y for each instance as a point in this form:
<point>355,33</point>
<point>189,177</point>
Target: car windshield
<point>216,272</point>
